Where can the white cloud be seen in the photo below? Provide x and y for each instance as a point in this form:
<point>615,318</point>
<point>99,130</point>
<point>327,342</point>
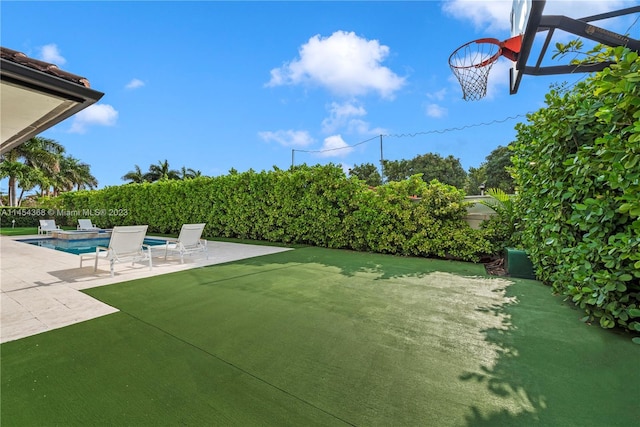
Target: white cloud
<point>288,138</point>
<point>495,15</point>
<point>490,15</point>
<point>582,8</point>
<point>343,63</point>
<point>436,111</point>
<point>347,109</point>
<point>439,95</point>
<point>347,116</point>
<point>51,53</point>
<point>96,114</point>
<point>134,84</point>
<point>334,146</point>
<point>340,114</point>
<point>360,127</point>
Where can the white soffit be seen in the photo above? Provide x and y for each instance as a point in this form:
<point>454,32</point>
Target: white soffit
<point>23,110</point>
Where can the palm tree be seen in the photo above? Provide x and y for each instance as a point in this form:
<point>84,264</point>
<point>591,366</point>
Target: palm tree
<point>161,171</point>
<point>16,172</point>
<point>39,153</point>
<point>73,174</point>
<point>135,176</point>
<point>29,181</point>
<point>188,173</point>
<point>86,179</point>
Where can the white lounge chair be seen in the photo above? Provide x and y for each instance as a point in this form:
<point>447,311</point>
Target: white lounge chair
<point>47,226</point>
<point>188,242</point>
<point>86,225</point>
<point>126,244</point>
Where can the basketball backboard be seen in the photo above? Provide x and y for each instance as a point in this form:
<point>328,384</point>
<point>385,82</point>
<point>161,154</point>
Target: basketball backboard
<point>472,61</point>
<point>520,12</point>
<point>525,20</point>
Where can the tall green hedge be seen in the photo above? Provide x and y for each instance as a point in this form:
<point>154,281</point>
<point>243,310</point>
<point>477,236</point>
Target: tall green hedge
<point>577,168</point>
<point>311,205</point>
<point>22,217</point>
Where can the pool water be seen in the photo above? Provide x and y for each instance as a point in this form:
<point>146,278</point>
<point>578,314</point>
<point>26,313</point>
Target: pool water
<point>81,246</point>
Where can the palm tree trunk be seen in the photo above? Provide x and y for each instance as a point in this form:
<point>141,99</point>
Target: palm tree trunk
<point>12,191</point>
<point>19,201</point>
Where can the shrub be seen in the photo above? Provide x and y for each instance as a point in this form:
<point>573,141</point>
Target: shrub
<point>577,167</point>
<point>501,229</point>
<point>310,205</point>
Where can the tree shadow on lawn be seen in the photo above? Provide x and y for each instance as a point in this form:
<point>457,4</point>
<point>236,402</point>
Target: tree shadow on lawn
<point>546,367</point>
<point>549,367</point>
<point>514,354</point>
<point>565,372</point>
<point>383,266</point>
<point>539,362</point>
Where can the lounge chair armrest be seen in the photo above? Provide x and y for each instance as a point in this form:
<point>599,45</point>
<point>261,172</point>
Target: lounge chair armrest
<point>93,254</point>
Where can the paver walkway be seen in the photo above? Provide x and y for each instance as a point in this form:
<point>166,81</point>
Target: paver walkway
<point>40,287</point>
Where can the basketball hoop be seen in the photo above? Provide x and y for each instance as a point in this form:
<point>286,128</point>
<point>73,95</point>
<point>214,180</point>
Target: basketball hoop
<point>472,62</point>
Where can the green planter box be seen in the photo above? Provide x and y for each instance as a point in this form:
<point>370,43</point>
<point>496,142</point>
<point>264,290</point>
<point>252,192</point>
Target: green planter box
<point>518,264</point>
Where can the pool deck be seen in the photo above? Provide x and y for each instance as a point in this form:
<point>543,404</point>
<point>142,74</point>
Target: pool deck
<point>40,287</point>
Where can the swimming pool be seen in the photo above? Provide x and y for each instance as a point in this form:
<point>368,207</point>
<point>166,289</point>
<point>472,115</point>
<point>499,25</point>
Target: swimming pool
<point>81,246</point>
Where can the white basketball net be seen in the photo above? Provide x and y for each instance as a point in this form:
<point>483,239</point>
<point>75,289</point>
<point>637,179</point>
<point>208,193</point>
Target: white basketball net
<point>471,64</point>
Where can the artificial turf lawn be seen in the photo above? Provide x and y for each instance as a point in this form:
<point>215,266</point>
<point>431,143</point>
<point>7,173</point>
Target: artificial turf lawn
<point>325,337</point>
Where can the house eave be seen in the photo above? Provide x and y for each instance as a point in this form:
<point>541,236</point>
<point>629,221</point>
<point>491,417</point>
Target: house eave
<point>61,97</point>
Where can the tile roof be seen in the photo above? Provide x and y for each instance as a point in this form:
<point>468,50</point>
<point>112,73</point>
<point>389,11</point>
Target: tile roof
<point>45,67</point>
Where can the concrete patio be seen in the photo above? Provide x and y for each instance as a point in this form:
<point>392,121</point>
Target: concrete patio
<point>40,287</point>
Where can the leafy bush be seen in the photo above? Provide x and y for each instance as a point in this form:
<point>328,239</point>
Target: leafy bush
<point>577,167</point>
<point>501,228</point>
<point>310,205</point>
<point>23,217</point>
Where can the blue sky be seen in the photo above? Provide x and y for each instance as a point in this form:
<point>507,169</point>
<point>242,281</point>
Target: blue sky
<point>220,85</point>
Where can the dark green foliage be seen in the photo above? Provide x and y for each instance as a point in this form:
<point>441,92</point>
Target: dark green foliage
<point>494,172</point>
<point>476,178</point>
<point>368,173</point>
<point>310,205</point>
<point>387,220</point>
<point>23,217</point>
<point>447,170</point>
<point>497,165</point>
<point>158,172</point>
<point>396,170</point>
<point>501,228</point>
<point>577,167</point>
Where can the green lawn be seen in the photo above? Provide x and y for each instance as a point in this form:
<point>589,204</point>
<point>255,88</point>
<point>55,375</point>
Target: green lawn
<point>24,231</point>
<point>325,337</point>
<point>18,231</point>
